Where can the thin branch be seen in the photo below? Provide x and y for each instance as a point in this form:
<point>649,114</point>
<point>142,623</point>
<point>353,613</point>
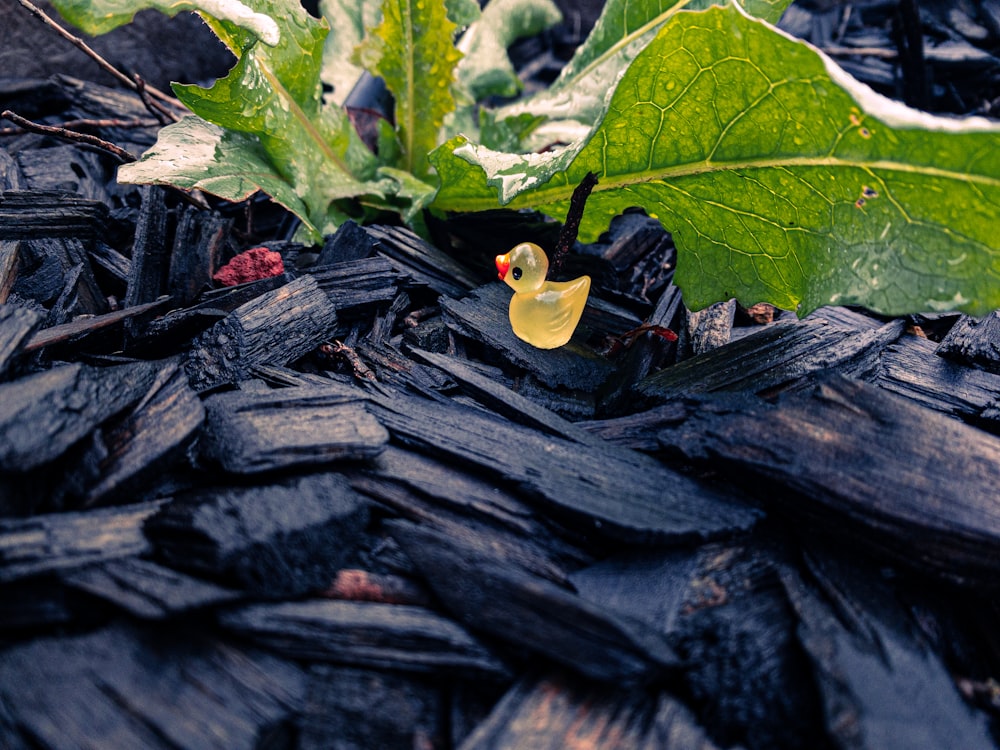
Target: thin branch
<point>104,64</point>
<point>571,227</point>
<point>88,122</point>
<point>69,135</point>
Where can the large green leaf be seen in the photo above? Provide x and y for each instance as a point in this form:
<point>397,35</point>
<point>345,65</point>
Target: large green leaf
<point>413,51</point>
<point>101,16</point>
<point>623,30</point>
<point>781,178</point>
<point>349,21</point>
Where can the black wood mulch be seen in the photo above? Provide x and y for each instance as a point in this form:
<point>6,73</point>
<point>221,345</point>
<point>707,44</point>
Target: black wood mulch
<point>345,507</point>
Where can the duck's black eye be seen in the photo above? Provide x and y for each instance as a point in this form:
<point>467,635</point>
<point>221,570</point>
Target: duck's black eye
<point>516,272</point>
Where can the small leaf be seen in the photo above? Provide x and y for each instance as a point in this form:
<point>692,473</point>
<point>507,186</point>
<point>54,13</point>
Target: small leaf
<point>412,50</point>
<point>782,179</point>
<point>101,16</point>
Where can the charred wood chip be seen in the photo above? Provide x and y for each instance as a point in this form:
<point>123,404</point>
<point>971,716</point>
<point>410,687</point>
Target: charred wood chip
<point>42,415</point>
<point>248,434</point>
<point>147,590</point>
<point>357,287</point>
<point>974,342</point>
<point>533,614</point>
<point>821,446</point>
<point>711,328</point>
<point>157,689</point>
<point>275,328</point>
<point>882,687</point>
<point>389,636</point>
<point>199,243</point>
<point>61,541</point>
<point>557,711</point>
<point>349,242</point>
<point>610,492</point>
<point>30,214</point>
<point>16,326</point>
<point>283,539</point>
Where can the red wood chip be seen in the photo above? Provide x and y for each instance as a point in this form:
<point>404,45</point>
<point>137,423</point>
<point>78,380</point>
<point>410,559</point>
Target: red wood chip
<point>251,265</point>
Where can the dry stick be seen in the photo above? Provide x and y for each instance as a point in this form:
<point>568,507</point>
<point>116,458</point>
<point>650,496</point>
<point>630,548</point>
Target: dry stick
<point>567,235</point>
<point>87,122</point>
<point>69,135</point>
<point>158,110</point>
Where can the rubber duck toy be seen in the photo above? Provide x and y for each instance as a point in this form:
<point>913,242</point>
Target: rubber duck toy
<point>543,313</point>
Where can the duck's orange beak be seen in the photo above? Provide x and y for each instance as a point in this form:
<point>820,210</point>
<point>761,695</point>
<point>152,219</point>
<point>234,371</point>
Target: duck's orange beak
<point>503,265</point>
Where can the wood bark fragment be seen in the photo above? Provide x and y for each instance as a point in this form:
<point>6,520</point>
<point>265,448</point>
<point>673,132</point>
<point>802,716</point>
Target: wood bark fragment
<point>711,328</point>
<point>30,214</point>
<point>390,636</point>
<point>10,254</point>
<point>274,328</point>
<point>283,539</point>
<point>249,434</point>
<point>198,247</point>
<point>17,324</point>
<point>58,541</point>
<point>357,287</point>
<point>974,342</point>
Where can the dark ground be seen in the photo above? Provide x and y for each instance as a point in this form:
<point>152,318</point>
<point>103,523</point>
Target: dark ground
<point>345,508</point>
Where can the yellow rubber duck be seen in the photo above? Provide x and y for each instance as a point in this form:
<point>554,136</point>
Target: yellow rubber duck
<point>543,313</point>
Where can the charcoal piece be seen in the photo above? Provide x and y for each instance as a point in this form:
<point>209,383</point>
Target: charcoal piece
<point>282,539</point>
<point>359,709</point>
<point>10,260</point>
<point>554,712</point>
<point>42,415</point>
<point>711,327</point>
<point>31,214</point>
<point>113,267</point>
<point>911,368</point>
<point>197,252</point>
<point>779,354</point>
<point>602,490</point>
<point>974,342</point>
<point>56,272</point>
<point>16,326</point>
<point>150,253</point>
<point>389,636</point>
<point>145,589</point>
<point>248,434</point>
<point>350,242</point>
<point>275,328</point>
<point>865,465</point>
<point>483,316</point>
<point>357,287</point>
<point>505,401</point>
<point>421,261</point>
<point>149,438</point>
<point>76,331</point>
<point>882,687</point>
<point>156,688</point>
<point>60,541</point>
<point>532,614</point>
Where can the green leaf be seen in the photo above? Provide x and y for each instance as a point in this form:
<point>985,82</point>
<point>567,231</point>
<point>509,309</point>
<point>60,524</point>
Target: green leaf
<point>486,70</point>
<point>100,16</point>
<point>781,178</point>
<point>412,50</point>
<point>349,21</point>
<point>623,30</point>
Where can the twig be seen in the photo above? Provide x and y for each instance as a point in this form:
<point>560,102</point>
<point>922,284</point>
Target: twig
<point>69,135</point>
<point>157,109</point>
<point>112,122</point>
<point>571,227</point>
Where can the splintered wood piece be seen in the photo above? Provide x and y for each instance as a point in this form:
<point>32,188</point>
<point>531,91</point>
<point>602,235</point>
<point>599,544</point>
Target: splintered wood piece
<point>150,253</point>
<point>351,709</point>
<point>16,326</point>
<point>349,243</point>
<point>911,482</point>
<point>30,214</point>
<point>779,354</point>
<point>390,636</point>
<point>147,590</point>
<point>911,368</point>
<point>10,254</point>
<point>483,316</point>
<point>42,415</point>
<point>56,271</point>
<point>555,712</point>
<point>882,687</point>
<point>710,328</point>
<point>421,261</point>
<point>248,434</point>
<point>282,539</point>
<point>67,332</point>
<point>149,437</point>
<point>974,342</point>
<point>198,247</point>
<point>273,329</point>
<point>532,613</point>
<point>59,541</point>
<point>157,689</point>
<point>605,490</point>
<point>357,287</point>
